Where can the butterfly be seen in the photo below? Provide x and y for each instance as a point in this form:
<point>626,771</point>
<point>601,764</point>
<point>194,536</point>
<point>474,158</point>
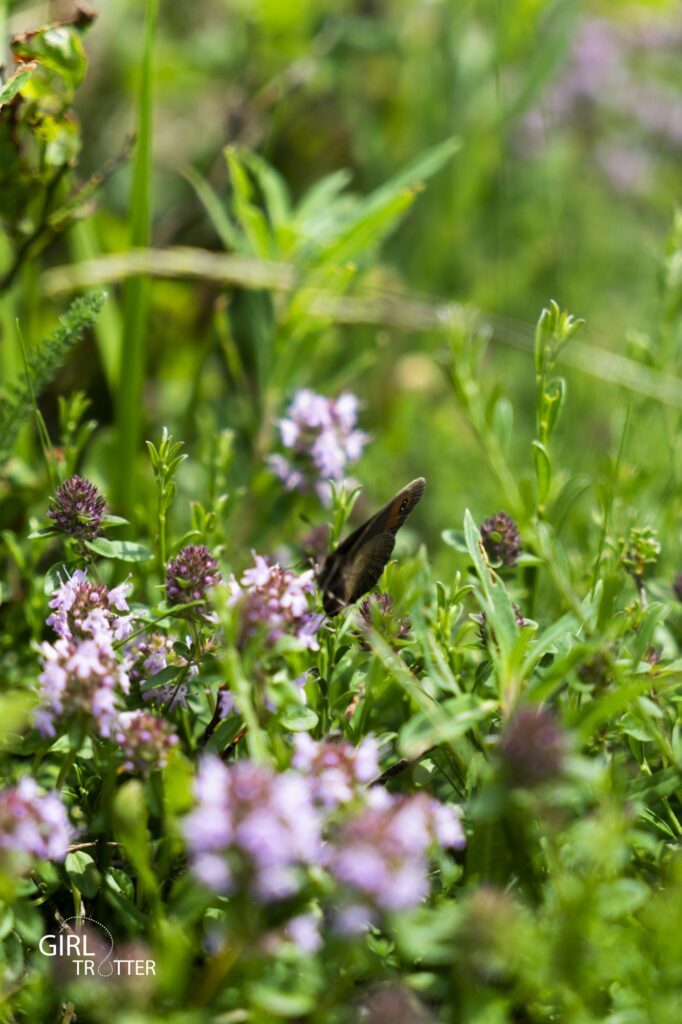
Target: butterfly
<point>357,563</point>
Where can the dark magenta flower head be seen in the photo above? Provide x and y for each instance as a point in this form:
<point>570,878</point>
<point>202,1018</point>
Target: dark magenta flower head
<point>677,586</point>
<point>78,508</point>
<point>532,747</point>
<point>190,575</point>
<point>501,539</point>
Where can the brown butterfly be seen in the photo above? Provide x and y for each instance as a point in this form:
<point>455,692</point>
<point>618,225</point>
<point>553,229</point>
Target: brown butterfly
<point>358,562</point>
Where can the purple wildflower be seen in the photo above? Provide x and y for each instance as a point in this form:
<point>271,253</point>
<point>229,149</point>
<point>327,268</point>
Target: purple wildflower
<point>275,601</point>
<point>78,509</point>
<point>144,739</point>
<point>388,1004</point>
<point>603,77</point>
<point>376,612</point>
<point>321,436</point>
<point>146,656</point>
<point>80,678</point>
<point>338,771</point>
<point>677,586</point>
<point>32,823</point>
<point>83,610</point>
<point>167,695</point>
<point>532,747</point>
<point>501,540</point>
<point>190,575</point>
<point>251,829</point>
<point>304,932</point>
<point>381,854</point>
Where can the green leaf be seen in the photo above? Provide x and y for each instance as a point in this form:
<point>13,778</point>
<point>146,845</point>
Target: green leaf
<point>12,86</point>
<point>503,423</point>
<point>299,718</point>
<point>227,232</point>
<point>282,1004</point>
<point>58,48</point>
<point>130,827</point>
<point>114,521</point>
<point>122,550</point>
<point>45,531</point>
<point>543,470</point>
<point>420,733</point>
<point>82,870</point>
<point>455,539</point>
<point>553,401</point>
<point>502,618</point>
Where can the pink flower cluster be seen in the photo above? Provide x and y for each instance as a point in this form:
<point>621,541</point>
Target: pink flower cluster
<point>381,854</point>
<point>82,609</point>
<point>337,770</point>
<point>82,675</point>
<point>80,679</point>
<point>145,740</point>
<point>32,823</point>
<point>252,829</point>
<point>274,601</point>
<point>255,830</point>
<point>322,439</point>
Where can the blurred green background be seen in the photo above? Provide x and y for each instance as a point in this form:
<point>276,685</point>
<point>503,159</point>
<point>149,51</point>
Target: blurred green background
<point>564,185</point>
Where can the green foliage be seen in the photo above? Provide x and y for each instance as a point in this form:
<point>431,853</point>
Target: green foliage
<point>43,364</point>
<point>40,138</point>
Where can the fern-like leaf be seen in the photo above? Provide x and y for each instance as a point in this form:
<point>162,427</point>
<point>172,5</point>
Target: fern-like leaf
<point>43,364</point>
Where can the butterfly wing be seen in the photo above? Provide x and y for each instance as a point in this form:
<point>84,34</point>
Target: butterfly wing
<point>357,574</point>
<point>358,562</point>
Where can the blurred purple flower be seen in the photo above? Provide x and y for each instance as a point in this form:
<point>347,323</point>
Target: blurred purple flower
<point>304,932</point>
<point>338,771</point>
<point>321,436</point>
<point>33,823</point>
<point>144,740</point>
<point>603,77</point>
<point>167,695</point>
<point>78,508</point>
<point>393,1003</point>
<point>80,679</point>
<point>381,854</point>
<point>627,166</point>
<point>190,575</point>
<point>532,747</point>
<point>275,601</point>
<point>251,829</point>
<point>82,610</point>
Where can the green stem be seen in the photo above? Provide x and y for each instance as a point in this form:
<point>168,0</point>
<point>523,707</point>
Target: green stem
<point>239,686</point>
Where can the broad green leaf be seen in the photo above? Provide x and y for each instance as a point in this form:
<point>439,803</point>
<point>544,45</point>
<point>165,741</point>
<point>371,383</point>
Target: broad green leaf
<point>82,870</point>
<point>122,550</point>
<point>455,539</point>
<point>299,718</point>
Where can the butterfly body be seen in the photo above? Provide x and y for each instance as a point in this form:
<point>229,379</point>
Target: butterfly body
<point>356,565</point>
